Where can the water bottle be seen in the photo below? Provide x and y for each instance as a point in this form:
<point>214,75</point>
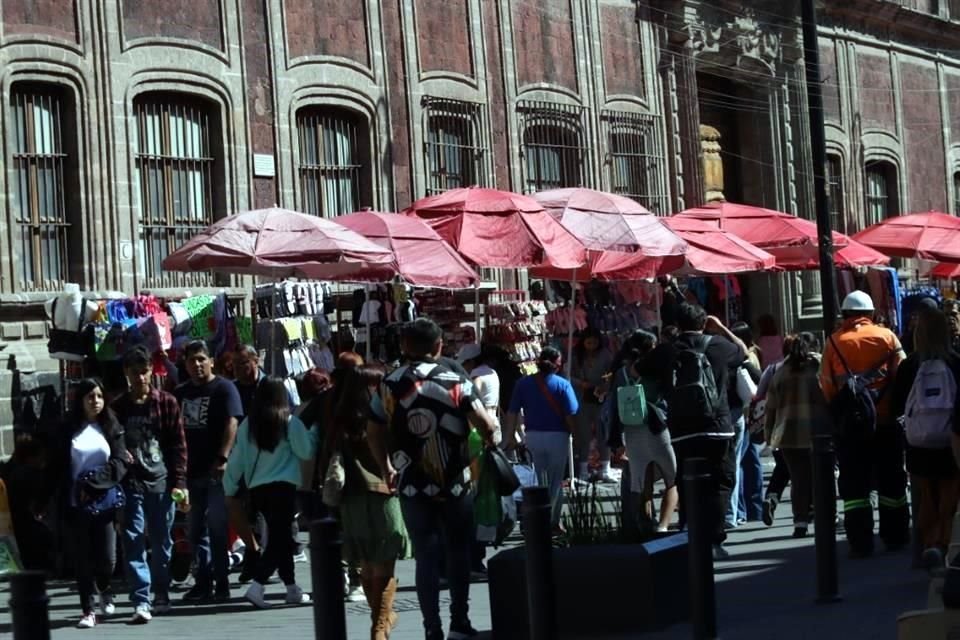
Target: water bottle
<point>180,499</point>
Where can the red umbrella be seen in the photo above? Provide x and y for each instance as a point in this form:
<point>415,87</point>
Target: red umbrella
<point>946,271</point>
<point>274,242</point>
<point>713,251</point>
<point>608,222</point>
<point>421,257</point>
<point>493,228</point>
<point>925,236</point>
<point>793,241</point>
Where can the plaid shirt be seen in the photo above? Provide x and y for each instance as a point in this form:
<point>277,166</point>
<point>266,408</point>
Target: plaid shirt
<point>164,413</point>
<point>795,407</point>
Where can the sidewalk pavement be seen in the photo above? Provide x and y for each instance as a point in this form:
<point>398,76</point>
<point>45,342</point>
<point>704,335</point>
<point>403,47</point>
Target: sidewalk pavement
<point>765,592</point>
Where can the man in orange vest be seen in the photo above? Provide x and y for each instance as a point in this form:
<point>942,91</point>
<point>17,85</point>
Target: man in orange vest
<point>863,350</point>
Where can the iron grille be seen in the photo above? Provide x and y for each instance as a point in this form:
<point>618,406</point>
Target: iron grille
<point>175,165</point>
<point>877,198</point>
<point>332,161</point>
<point>636,162</point>
<point>39,195</point>
<point>553,151</point>
<point>835,193</point>
<point>457,144</point>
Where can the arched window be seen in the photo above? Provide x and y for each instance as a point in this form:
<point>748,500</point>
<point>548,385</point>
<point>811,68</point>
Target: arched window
<point>334,161</point>
<point>45,192</point>
<point>636,160</point>
<point>553,151</point>
<point>456,144</point>
<point>956,193</point>
<point>179,158</point>
<point>881,198</point>
<point>838,219</point>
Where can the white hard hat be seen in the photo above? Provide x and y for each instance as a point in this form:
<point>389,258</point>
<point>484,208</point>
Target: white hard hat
<point>857,301</point>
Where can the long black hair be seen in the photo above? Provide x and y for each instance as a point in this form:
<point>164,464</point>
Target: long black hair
<point>269,414</point>
<point>580,350</point>
<point>354,402</point>
<point>803,350</point>
<point>549,361</point>
<point>78,415</point>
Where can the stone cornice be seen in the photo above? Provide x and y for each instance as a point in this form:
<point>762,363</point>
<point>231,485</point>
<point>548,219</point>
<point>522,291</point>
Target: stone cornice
<point>888,20</point>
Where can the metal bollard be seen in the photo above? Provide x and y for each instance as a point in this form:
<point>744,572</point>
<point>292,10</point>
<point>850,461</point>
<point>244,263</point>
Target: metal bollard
<point>701,522</point>
<point>326,570</point>
<point>541,594</point>
<point>825,518</point>
<point>28,606</point>
<point>917,546</point>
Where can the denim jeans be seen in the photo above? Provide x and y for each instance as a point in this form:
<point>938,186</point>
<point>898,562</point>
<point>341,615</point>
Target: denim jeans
<point>551,452</point>
<point>433,525</point>
<point>148,516</point>
<point>741,439</point>
<point>751,484</point>
<point>208,530</point>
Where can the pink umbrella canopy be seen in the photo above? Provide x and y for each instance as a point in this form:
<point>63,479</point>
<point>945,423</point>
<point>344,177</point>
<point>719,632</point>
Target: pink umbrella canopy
<point>925,236</point>
<point>713,251</point>
<point>793,241</point>
<point>275,242</point>
<point>421,257</point>
<point>608,222</point>
<point>492,228</point>
<point>946,271</point>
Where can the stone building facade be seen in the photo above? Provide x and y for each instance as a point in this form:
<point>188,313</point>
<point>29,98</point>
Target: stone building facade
<point>127,124</point>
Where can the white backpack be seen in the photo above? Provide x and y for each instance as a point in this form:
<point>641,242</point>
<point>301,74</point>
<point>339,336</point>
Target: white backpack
<point>929,412</point>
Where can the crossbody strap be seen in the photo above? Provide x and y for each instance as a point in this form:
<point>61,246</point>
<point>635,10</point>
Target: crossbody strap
<point>542,385</point>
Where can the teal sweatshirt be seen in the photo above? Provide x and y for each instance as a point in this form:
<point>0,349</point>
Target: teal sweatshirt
<point>258,467</point>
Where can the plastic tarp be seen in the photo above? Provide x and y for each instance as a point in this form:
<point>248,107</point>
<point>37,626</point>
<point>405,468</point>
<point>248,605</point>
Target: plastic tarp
<point>492,228</point>
<point>924,236</point>
<point>421,257</point>
<point>276,242</point>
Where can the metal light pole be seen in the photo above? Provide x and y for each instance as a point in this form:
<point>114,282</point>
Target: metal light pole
<point>825,489</point>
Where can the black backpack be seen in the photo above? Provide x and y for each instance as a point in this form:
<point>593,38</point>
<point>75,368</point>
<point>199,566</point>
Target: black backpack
<point>854,408</point>
<point>695,401</point>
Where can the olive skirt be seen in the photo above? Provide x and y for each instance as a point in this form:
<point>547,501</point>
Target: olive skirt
<point>373,529</point>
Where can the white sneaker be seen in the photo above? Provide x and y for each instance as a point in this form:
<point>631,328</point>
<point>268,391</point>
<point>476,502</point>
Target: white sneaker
<point>300,557</point>
<point>141,615</point>
<point>88,621</point>
<point>295,595</point>
<point>107,608</point>
<point>355,594</point>
<point>255,595</point>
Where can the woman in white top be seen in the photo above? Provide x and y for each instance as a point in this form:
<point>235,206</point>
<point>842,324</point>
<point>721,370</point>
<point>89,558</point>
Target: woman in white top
<point>485,379</point>
<point>91,461</point>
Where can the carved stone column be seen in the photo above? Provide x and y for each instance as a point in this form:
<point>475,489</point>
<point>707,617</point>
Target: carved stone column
<point>712,164</point>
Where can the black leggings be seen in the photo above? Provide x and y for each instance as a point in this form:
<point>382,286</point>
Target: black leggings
<point>277,503</point>
<point>95,540</point>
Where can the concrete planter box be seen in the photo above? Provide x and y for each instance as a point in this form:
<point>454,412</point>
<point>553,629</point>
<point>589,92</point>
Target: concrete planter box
<point>601,589</point>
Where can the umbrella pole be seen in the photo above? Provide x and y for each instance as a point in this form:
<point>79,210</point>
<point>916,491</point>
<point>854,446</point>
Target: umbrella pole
<point>726,296</point>
<point>366,307</point>
<point>573,315</point>
<point>476,309</point>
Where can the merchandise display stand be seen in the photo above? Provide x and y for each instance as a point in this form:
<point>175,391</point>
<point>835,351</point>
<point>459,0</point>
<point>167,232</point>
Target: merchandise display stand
<point>517,326</point>
<point>292,329</point>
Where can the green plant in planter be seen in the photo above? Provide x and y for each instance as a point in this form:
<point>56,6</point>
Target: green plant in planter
<point>589,518</point>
